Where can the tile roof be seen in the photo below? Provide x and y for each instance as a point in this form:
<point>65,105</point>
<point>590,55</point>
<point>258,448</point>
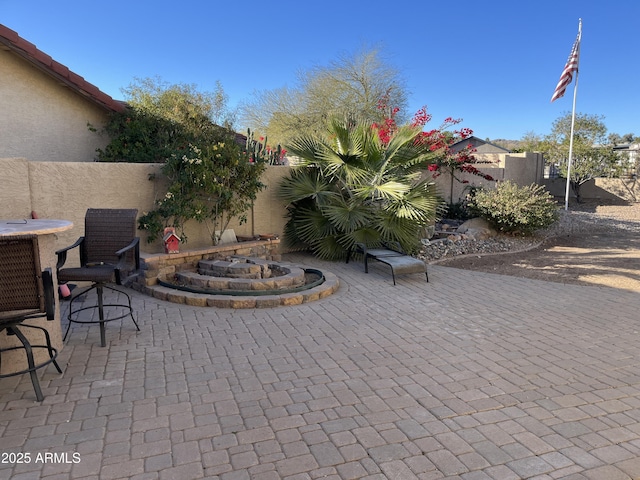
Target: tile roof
<point>10,40</point>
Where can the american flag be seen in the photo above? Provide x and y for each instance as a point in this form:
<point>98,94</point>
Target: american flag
<point>567,74</point>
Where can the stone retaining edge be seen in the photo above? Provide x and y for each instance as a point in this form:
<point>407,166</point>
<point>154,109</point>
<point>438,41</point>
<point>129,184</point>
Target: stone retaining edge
<point>328,287</point>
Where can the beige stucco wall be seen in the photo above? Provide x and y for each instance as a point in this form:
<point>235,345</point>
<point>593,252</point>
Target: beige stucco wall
<point>15,194</point>
<point>458,190</point>
<point>523,168</point>
<point>269,211</point>
<point>42,120</point>
<point>65,190</point>
<point>520,168</point>
<point>266,217</point>
<point>609,189</point>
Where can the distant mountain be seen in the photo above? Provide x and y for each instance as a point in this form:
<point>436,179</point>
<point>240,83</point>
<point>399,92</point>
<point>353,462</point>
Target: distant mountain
<point>508,144</point>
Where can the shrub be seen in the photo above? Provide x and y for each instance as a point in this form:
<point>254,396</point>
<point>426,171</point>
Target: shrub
<point>352,186</point>
<point>460,210</point>
<point>210,177</point>
<point>514,209</point>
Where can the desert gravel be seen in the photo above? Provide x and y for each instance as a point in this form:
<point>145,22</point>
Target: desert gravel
<point>584,219</point>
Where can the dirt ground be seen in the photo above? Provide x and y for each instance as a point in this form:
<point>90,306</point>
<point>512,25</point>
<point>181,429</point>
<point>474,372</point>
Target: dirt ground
<point>605,256</point>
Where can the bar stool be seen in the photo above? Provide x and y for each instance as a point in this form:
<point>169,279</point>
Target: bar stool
<point>26,292</point>
<point>109,250</point>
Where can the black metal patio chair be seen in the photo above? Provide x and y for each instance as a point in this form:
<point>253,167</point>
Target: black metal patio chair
<point>109,250</point>
<point>26,293</point>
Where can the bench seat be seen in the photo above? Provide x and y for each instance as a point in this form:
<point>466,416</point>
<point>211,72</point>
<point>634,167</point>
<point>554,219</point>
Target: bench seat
<point>403,264</point>
<point>400,262</point>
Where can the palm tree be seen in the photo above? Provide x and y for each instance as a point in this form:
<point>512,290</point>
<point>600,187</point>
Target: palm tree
<point>352,187</point>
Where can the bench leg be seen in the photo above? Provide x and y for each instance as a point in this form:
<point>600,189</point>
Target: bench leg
<point>426,273</point>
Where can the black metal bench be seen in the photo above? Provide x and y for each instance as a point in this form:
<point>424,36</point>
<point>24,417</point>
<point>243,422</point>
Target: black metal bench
<point>391,255</point>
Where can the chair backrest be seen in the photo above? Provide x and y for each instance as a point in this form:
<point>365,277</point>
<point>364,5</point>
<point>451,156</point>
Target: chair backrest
<point>107,230</point>
<point>21,283</point>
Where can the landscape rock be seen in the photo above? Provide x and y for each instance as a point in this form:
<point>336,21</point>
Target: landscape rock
<point>579,220</point>
<point>477,228</point>
<point>455,245</point>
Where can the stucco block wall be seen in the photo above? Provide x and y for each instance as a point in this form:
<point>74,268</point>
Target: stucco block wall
<point>41,119</point>
<point>65,190</point>
<point>520,168</point>
<point>457,190</point>
<point>269,211</point>
<point>609,189</point>
<point>15,195</point>
<point>523,168</point>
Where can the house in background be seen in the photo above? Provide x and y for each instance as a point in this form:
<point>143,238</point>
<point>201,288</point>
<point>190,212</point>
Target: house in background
<point>45,108</point>
<point>481,146</point>
<point>629,157</point>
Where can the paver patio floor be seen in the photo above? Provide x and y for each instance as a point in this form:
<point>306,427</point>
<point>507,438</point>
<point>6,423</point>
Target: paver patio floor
<point>471,376</point>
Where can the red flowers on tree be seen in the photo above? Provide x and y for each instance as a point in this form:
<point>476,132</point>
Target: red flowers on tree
<point>437,140</point>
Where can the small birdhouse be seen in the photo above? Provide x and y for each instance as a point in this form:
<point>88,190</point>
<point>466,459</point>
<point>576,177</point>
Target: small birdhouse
<point>171,240</point>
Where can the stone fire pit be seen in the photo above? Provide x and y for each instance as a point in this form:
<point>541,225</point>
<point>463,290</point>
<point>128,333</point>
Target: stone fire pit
<point>226,279</point>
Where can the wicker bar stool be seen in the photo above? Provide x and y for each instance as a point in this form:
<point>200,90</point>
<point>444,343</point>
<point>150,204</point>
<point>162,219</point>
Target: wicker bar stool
<point>109,250</point>
<point>26,293</point>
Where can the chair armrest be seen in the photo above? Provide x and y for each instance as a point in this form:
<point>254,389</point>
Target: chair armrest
<point>62,253</point>
<point>135,246</point>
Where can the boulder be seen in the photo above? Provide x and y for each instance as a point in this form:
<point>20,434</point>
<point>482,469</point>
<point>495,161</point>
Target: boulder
<point>477,229</point>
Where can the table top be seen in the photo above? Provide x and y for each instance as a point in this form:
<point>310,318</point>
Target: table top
<point>39,226</point>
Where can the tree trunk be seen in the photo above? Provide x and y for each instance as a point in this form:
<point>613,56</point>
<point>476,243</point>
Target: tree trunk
<point>575,186</point>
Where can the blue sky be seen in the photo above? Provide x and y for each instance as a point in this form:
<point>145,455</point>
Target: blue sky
<point>494,64</point>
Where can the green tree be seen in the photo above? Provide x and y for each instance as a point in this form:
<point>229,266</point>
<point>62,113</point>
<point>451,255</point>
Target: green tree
<point>592,155</point>
<point>211,183</point>
<point>139,136</point>
<point>352,84</point>
<point>616,139</point>
<point>210,178</point>
<point>180,103</point>
<point>161,118</point>
<point>354,187</point>
<point>530,142</point>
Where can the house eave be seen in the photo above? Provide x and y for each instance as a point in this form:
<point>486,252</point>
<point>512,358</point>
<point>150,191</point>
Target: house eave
<point>11,41</point>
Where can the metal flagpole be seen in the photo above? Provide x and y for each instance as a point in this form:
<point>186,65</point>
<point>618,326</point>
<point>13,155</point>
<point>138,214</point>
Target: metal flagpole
<point>573,119</point>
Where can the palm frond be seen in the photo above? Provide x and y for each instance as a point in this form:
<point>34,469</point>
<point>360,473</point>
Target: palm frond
<point>306,147</point>
<point>390,190</point>
<point>311,225</point>
<point>403,231</point>
<point>329,248</point>
<point>290,238</point>
<point>367,235</point>
<point>347,217</point>
<point>306,183</point>
<point>347,140</point>
<point>359,191</point>
<point>419,205</point>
